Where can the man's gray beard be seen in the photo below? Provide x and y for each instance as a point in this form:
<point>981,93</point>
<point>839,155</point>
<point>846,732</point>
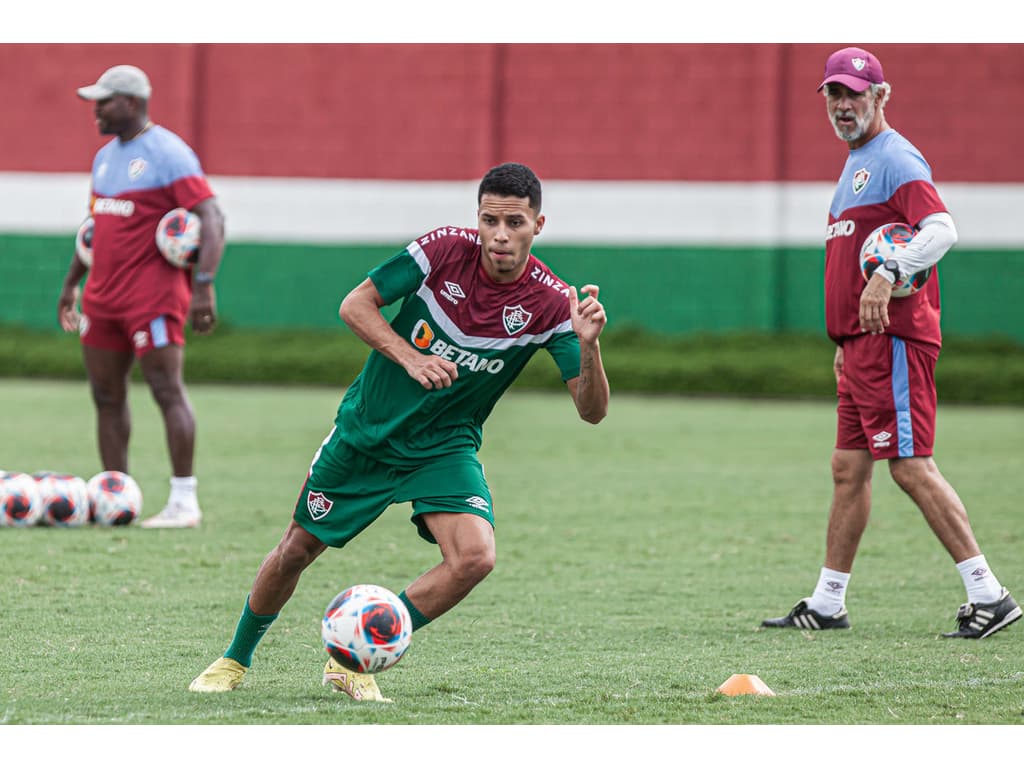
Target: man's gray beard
<point>859,129</point>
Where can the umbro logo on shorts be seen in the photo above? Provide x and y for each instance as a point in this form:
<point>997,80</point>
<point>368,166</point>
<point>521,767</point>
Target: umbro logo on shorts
<point>882,439</point>
<point>478,502</point>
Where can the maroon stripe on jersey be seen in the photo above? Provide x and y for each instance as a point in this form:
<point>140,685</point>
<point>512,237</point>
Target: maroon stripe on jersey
<point>477,305</point>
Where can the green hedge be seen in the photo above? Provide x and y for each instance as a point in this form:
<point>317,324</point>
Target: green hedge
<point>987,371</point>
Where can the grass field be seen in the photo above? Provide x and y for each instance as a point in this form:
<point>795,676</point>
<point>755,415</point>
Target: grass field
<point>635,562</point>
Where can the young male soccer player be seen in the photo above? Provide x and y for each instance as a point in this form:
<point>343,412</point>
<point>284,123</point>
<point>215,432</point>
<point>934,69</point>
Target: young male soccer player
<point>476,305</point>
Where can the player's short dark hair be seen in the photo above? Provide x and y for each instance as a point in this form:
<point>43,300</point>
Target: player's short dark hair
<point>511,180</point>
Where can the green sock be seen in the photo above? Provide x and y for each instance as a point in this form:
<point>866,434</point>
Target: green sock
<point>251,628</point>
<point>418,619</point>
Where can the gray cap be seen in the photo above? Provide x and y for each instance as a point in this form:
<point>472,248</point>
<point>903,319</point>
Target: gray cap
<point>124,78</point>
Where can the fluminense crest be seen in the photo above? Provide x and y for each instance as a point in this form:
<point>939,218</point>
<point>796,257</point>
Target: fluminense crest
<point>318,504</point>
<point>515,318</point>
<point>860,180</point>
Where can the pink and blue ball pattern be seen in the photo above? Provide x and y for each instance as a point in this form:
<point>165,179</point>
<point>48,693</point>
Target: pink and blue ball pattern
<point>885,243</point>
<point>365,631</point>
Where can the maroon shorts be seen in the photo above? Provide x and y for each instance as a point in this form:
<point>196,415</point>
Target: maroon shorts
<point>137,334</point>
<point>887,397</point>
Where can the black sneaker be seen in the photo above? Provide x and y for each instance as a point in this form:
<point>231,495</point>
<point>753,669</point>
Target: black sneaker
<point>802,617</point>
<point>978,620</point>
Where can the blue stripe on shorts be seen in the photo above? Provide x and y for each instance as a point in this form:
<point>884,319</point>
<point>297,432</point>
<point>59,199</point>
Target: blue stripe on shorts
<point>901,398</point>
<point>158,332</point>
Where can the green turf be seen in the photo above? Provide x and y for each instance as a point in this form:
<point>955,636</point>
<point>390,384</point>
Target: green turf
<point>635,561</point>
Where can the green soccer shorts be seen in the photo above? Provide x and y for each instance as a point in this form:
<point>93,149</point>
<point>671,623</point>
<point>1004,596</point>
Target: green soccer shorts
<point>346,490</point>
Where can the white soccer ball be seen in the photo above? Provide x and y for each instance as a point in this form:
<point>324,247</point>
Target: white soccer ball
<point>366,628</point>
<point>20,506</point>
<point>114,498</point>
<point>177,237</point>
<point>885,243</point>
<point>64,499</point>
<point>83,242</point>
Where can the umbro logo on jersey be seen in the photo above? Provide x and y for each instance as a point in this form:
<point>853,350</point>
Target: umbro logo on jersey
<point>515,318</point>
<point>881,439</point>
<point>860,180</point>
<point>478,502</point>
<point>455,289</point>
<point>318,504</point>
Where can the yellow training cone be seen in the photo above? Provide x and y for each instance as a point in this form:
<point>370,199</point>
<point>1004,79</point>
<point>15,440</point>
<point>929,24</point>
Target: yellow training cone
<point>740,685</point>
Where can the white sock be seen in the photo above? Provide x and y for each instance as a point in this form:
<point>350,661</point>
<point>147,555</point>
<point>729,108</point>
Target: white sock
<point>830,594</point>
<point>183,489</point>
<point>982,585</point>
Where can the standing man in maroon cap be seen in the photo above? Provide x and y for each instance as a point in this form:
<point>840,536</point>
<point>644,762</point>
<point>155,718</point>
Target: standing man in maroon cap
<point>135,302</point>
<point>886,351</point>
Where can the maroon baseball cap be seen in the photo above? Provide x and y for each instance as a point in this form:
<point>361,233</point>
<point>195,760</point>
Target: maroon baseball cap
<point>853,67</point>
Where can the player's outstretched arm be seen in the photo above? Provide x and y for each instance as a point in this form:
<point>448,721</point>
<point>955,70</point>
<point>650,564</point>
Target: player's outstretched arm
<point>360,310</point>
<point>589,390</point>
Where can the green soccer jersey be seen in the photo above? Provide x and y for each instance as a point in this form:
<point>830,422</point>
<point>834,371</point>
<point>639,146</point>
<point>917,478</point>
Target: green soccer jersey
<point>452,309</point>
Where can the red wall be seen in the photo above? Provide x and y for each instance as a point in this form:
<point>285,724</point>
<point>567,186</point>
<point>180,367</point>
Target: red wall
<point>576,111</point>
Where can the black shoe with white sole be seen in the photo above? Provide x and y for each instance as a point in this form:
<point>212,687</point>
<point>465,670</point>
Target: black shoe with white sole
<point>802,617</point>
<point>978,620</point>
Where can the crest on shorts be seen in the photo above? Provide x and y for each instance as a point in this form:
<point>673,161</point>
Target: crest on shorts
<point>515,318</point>
<point>136,168</point>
<point>860,180</point>
<point>318,504</point>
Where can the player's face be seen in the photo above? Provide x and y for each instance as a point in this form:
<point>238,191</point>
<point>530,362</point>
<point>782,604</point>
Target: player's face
<point>854,115</point>
<point>115,115</point>
<point>507,227</point>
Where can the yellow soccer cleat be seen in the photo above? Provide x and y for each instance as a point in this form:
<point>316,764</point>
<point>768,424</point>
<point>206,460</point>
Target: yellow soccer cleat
<point>223,675</point>
<point>359,686</point>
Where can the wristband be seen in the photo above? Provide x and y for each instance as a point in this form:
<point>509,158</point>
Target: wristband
<point>203,278</point>
<point>893,268</point>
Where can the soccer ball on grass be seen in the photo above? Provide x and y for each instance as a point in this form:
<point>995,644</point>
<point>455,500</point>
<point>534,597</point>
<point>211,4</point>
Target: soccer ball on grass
<point>20,506</point>
<point>177,237</point>
<point>366,628</point>
<point>63,498</point>
<point>114,498</point>
<point>885,243</point>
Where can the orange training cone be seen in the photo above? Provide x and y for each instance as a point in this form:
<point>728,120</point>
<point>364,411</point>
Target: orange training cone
<point>740,685</point>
